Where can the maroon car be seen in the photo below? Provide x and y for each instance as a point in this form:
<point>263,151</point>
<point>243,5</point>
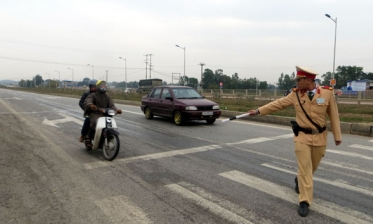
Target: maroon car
<point>181,103</point>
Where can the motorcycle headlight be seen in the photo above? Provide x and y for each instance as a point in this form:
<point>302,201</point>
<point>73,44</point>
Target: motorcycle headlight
<point>111,112</point>
<point>191,108</point>
<point>216,107</point>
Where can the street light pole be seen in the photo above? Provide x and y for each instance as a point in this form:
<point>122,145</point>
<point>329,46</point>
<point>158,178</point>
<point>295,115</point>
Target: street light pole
<point>201,64</point>
<point>59,78</point>
<point>335,43</point>
<point>49,81</point>
<point>184,60</point>
<point>93,71</point>
<point>72,73</point>
<point>125,73</point>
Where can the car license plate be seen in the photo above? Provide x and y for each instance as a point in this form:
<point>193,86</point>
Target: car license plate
<point>207,113</point>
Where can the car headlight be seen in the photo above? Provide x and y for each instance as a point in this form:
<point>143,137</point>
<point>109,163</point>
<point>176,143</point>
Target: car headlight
<point>216,107</point>
<point>191,108</point>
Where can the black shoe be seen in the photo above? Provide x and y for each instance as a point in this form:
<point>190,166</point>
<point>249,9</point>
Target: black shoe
<point>296,185</point>
<point>303,209</point>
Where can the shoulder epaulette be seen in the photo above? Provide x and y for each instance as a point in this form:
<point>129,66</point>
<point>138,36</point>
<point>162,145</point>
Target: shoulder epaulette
<point>327,87</point>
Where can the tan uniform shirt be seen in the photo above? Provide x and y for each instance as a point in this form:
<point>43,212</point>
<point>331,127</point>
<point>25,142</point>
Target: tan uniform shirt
<point>323,103</point>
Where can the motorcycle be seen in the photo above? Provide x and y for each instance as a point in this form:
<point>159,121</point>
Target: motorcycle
<point>105,137</point>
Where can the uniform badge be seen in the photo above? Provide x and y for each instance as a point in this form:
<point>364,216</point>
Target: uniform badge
<point>320,101</point>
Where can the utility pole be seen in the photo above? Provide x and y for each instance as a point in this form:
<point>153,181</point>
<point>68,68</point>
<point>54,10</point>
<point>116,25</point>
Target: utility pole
<point>200,83</point>
<point>146,66</point>
<point>59,78</point>
<point>49,80</point>
<point>107,72</point>
<point>150,65</point>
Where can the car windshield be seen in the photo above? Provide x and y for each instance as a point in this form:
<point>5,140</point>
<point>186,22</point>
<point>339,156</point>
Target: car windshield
<point>183,93</point>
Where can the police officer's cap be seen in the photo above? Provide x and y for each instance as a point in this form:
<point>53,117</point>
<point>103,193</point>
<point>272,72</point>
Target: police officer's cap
<point>303,72</point>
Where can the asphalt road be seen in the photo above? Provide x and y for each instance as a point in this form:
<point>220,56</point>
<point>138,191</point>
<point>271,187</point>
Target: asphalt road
<point>233,172</point>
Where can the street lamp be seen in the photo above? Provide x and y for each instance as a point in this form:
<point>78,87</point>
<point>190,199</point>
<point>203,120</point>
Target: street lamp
<point>184,60</point>
<point>72,70</point>
<point>59,78</point>
<point>93,71</point>
<point>335,42</point>
<point>49,81</point>
<point>125,73</point>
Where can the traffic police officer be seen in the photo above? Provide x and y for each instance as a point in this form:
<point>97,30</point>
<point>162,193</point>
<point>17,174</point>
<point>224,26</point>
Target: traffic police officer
<point>310,141</point>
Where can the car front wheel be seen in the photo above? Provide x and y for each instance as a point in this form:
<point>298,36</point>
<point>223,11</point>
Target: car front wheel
<point>178,118</point>
<point>148,113</point>
<point>210,121</point>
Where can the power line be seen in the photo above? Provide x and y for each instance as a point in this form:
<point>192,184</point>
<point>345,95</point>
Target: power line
<point>60,63</point>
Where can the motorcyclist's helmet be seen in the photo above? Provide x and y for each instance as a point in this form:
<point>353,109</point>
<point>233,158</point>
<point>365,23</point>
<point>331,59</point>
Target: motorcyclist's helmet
<point>101,86</point>
<point>92,82</point>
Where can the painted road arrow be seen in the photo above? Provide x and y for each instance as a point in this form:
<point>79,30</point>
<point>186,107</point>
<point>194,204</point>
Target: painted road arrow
<point>62,120</point>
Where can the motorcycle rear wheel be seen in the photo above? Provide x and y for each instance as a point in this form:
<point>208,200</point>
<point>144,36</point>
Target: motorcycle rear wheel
<point>111,149</point>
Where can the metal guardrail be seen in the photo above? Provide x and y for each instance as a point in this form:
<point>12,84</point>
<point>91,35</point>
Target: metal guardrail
<point>276,93</point>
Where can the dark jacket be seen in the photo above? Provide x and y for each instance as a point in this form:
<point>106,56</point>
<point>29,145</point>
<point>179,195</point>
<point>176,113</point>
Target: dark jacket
<point>81,101</point>
<point>101,100</point>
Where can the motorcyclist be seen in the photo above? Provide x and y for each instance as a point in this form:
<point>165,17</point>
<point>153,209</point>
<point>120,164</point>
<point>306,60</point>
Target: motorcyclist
<point>85,127</point>
<point>95,103</point>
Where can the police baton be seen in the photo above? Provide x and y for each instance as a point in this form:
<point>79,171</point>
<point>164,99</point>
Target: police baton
<point>236,117</point>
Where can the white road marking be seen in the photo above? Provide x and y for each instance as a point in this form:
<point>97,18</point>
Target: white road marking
<point>121,210</point>
<point>131,112</point>
<point>332,210</point>
<point>350,154</point>
<point>368,192</point>
<point>345,167</point>
<point>253,123</point>
<point>210,206</point>
<point>261,139</point>
<point>370,148</point>
<point>240,211</point>
<point>159,155</point>
<point>63,120</point>
<point>13,98</point>
<point>52,97</point>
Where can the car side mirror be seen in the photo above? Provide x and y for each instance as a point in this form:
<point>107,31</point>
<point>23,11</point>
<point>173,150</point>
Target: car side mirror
<point>169,98</point>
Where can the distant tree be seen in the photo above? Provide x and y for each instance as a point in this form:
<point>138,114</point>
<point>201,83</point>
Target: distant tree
<point>208,79</point>
<point>192,82</point>
<point>38,80</point>
<point>286,81</point>
<point>263,85</point>
<point>86,81</point>
<point>369,76</point>
<point>235,81</point>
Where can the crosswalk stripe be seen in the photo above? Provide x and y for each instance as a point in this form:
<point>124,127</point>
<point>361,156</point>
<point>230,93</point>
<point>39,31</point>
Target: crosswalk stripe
<point>121,210</point>
<point>261,139</point>
<point>329,209</point>
<point>238,210</point>
<point>361,147</point>
<point>153,156</point>
<point>214,208</point>
<point>336,184</point>
<point>346,167</point>
<point>350,154</point>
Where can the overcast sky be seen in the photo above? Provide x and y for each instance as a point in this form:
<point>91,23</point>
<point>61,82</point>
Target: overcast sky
<point>259,39</point>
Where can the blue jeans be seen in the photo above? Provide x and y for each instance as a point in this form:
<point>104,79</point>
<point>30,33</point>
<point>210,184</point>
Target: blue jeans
<point>85,127</point>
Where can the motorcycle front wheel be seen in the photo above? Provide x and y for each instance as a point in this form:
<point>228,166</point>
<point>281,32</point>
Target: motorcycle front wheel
<point>111,149</point>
